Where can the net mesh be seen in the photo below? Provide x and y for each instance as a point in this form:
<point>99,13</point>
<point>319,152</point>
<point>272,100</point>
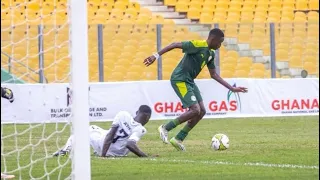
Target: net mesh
<point>34,48</point>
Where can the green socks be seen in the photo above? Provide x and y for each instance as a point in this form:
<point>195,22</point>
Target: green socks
<point>171,125</point>
<point>183,133</point>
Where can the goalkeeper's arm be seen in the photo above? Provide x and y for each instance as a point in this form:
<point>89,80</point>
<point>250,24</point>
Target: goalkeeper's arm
<point>7,94</point>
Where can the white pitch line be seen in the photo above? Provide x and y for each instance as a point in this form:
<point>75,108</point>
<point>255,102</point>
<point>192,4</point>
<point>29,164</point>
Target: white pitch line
<point>258,164</point>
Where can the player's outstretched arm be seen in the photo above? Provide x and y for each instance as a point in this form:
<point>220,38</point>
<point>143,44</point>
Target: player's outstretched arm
<point>149,60</point>
<point>216,77</point>
<point>108,140</point>
<point>132,146</point>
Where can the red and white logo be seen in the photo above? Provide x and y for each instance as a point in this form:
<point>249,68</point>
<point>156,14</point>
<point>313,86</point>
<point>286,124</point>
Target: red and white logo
<point>295,104</point>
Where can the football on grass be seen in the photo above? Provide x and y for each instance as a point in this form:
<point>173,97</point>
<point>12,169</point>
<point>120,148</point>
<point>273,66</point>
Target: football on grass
<point>220,142</point>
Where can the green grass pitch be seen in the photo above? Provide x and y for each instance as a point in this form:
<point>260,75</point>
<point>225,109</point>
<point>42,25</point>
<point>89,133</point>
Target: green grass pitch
<point>260,148</point>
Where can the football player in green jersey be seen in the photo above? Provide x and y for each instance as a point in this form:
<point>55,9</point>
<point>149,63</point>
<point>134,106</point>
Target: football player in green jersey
<point>197,54</point>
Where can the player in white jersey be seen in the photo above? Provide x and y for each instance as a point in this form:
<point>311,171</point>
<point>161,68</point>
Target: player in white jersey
<point>121,138</point>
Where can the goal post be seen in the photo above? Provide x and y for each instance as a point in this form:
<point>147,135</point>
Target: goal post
<point>44,60</point>
<point>80,89</point>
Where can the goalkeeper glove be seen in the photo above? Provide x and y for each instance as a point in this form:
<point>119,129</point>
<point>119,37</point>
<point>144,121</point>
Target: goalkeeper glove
<point>7,94</point>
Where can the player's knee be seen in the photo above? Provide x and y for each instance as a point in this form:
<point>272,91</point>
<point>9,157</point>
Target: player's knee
<point>202,113</point>
<point>195,110</point>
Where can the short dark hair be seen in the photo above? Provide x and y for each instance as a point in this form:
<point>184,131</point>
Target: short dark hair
<point>145,109</point>
<point>216,32</point>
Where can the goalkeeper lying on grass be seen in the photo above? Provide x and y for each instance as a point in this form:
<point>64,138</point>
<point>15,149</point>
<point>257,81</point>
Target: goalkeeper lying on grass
<point>7,94</point>
<point>121,138</point>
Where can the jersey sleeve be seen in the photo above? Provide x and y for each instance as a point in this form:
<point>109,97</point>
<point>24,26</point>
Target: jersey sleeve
<point>188,47</point>
<point>137,133</point>
<point>119,117</point>
<point>211,64</point>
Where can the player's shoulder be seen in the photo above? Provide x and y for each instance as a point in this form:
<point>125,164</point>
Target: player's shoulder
<point>199,43</point>
<point>124,114</point>
<point>140,129</point>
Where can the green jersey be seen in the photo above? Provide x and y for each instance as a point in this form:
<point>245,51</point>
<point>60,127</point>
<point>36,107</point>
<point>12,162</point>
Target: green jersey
<point>197,55</point>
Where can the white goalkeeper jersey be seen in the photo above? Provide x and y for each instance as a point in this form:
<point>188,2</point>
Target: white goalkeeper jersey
<point>128,129</point>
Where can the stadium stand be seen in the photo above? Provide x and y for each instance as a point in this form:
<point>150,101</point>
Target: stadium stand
<point>246,51</point>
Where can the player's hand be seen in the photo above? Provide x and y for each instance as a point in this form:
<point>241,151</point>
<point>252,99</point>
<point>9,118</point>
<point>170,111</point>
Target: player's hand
<point>149,60</point>
<point>239,89</point>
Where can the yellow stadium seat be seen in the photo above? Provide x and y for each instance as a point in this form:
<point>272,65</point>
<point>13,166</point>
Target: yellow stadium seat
<point>227,66</point>
<point>281,55</point>
<point>182,7</point>
<point>206,18</point>
<point>209,3</point>
<point>301,5</point>
<point>314,4</point>
<point>132,11</point>
<point>260,16</point>
<point>245,60</point>
<point>313,46</point>
<point>196,4</point>
<point>311,68</point>
<point>231,32</point>
<point>193,13</point>
<point>247,17</point>
<point>135,5</point>
<point>257,74</point>
<point>311,59</point>
<point>222,4</point>
<point>207,9</point>
<point>313,17</point>
<point>283,46</point>
<point>296,40</point>
<point>256,43</point>
<point>145,11</point>
<point>258,34</point>
<point>259,20</point>
<point>243,66</point>
<point>295,62</point>
<point>286,33</point>
<point>285,19</point>
<point>121,5</point>
<point>288,4</point>
<point>106,6</point>
<point>287,14</point>
<point>311,52</point>
<point>226,74</point>
<point>235,4</point>
<point>258,66</point>
<point>241,74</point>
<point>232,54</point>
<point>276,4</point>
<point>232,20</point>
<point>244,37</point>
<point>299,20</point>
<point>230,60</point>
<point>168,21</point>
<point>285,39</point>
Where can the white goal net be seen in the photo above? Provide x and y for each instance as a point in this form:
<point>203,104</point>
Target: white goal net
<point>44,42</point>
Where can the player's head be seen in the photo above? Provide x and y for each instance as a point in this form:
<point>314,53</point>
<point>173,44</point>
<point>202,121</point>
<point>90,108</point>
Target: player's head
<point>143,114</point>
<point>215,38</point>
